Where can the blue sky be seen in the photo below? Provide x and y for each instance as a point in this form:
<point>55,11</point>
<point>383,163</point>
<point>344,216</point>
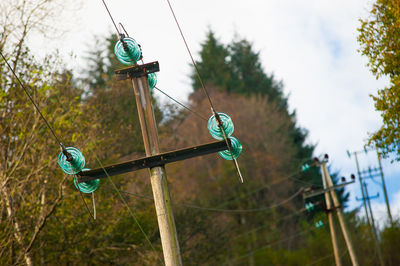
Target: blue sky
<point>310,45</point>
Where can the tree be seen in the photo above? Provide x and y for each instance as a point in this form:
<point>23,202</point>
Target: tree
<point>379,37</point>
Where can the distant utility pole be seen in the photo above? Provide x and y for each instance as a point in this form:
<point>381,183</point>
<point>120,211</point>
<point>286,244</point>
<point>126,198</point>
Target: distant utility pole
<point>373,228</point>
<point>372,172</point>
<point>337,206</point>
<point>331,224</point>
<point>330,195</point>
<point>361,186</point>
<point>384,189</point>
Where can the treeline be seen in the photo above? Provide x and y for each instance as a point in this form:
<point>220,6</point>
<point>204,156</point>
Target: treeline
<point>44,220</point>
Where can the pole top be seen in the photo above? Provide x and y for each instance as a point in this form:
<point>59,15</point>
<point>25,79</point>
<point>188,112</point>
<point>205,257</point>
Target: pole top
<point>136,71</point>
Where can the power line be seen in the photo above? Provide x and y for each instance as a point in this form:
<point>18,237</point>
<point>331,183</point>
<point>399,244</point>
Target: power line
<point>267,245</point>
<point>191,57</point>
<point>181,104</point>
<point>32,101</point>
<point>111,17</point>
<point>219,209</point>
<point>216,115</point>
<point>116,189</point>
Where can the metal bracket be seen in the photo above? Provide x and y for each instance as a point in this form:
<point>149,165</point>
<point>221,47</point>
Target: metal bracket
<point>137,70</point>
<point>322,191</point>
<point>152,161</point>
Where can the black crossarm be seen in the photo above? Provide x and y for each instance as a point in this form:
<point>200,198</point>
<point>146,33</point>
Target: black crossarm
<point>152,161</point>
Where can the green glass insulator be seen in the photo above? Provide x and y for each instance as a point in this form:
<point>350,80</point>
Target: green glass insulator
<point>305,167</point>
<point>215,130</point>
<point>309,206</point>
<point>236,150</point>
<point>77,163</point>
<point>319,224</point>
<point>130,55</point>
<point>152,78</point>
<point>89,186</point>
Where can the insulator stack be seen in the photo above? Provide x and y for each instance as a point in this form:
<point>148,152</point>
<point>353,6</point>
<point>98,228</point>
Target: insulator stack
<point>89,186</point>
<point>129,54</point>
<point>75,166</point>
<point>305,167</point>
<point>228,127</point>
<point>152,79</point>
<point>309,206</point>
<point>319,224</point>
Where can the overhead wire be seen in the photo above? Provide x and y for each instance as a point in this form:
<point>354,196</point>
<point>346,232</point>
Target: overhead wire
<point>111,17</point>
<point>265,246</point>
<point>216,115</point>
<point>181,104</point>
<point>277,220</point>
<point>58,140</point>
<point>117,190</point>
<point>32,101</point>
<point>220,209</point>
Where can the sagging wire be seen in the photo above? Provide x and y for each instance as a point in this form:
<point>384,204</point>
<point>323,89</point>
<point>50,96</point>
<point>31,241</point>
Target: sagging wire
<point>182,105</point>
<point>220,209</point>
<point>234,261</point>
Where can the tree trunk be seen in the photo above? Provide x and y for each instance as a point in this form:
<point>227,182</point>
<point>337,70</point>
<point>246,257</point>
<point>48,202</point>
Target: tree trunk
<point>17,227</point>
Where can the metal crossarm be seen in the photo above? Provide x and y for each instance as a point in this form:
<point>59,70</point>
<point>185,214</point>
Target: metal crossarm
<point>319,192</point>
<point>152,161</point>
<point>137,70</point>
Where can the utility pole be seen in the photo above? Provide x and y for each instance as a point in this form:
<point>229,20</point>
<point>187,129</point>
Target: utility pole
<point>376,172</point>
<point>331,221</point>
<point>361,187</point>
<point>378,247</point>
<point>329,192</point>
<point>162,200</point>
<point>336,205</point>
<point>154,160</point>
<point>384,188</point>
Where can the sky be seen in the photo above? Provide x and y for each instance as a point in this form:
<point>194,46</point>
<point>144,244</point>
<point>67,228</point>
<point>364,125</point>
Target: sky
<point>311,45</point>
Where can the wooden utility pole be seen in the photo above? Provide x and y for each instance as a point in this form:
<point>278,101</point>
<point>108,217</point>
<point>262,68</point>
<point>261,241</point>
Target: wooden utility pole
<point>374,231</point>
<point>362,191</point>
<point>342,223</point>
<point>384,189</point>
<point>162,200</point>
<point>331,222</point>
<point>155,160</point>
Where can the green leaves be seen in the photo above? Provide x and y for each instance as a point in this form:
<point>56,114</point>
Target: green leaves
<point>379,37</point>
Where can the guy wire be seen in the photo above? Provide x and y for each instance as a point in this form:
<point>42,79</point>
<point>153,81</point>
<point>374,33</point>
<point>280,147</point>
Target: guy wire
<point>181,104</point>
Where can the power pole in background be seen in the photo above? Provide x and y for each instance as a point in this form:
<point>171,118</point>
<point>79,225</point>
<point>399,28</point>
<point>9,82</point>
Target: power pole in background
<point>331,222</point>
<point>361,186</point>
<point>372,172</point>
<point>330,195</point>
<point>337,206</point>
<point>384,189</point>
<point>373,230</point>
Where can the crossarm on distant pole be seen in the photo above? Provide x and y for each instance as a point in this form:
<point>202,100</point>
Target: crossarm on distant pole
<point>152,161</point>
<point>322,191</point>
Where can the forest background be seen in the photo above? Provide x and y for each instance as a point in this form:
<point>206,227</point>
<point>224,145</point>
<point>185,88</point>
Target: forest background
<point>44,220</point>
